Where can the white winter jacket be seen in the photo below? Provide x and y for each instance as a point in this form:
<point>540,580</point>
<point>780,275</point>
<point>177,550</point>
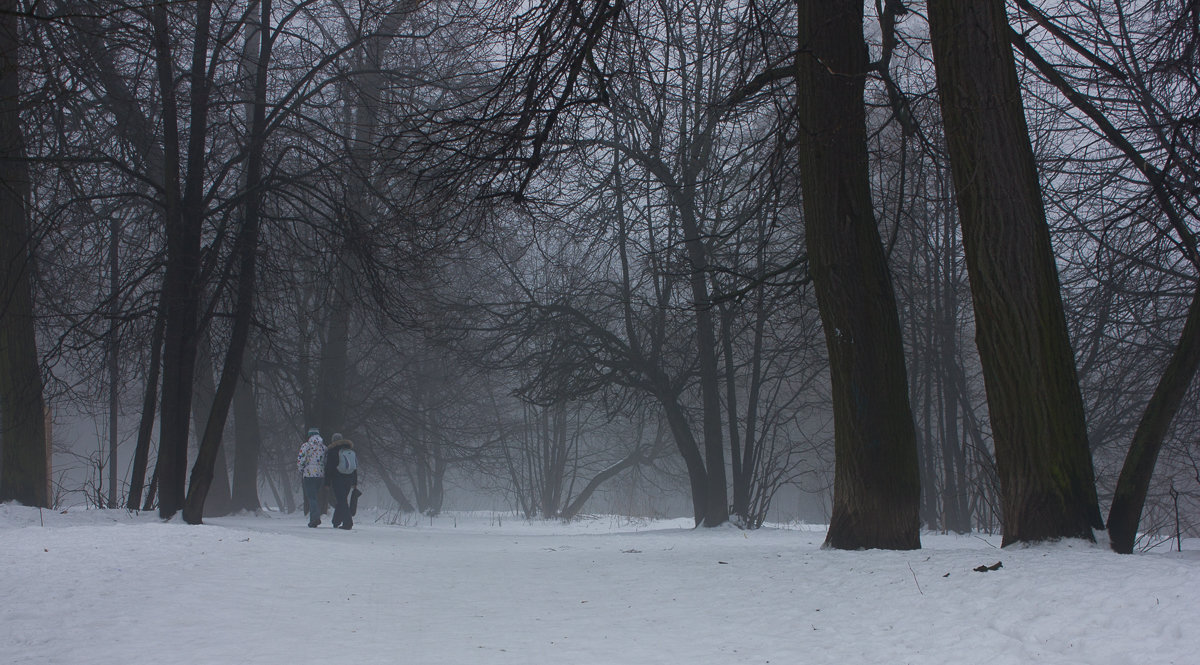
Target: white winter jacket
<point>311,458</point>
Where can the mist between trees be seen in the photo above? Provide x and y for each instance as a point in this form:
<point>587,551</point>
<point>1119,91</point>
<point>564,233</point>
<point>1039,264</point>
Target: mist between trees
<point>929,265</point>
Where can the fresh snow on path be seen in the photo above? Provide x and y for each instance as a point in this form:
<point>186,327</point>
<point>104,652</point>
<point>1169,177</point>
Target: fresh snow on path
<point>107,587</point>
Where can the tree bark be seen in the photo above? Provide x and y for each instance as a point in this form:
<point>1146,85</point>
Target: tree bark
<point>716,503</point>
<point>184,215</point>
<point>1042,455</point>
<point>954,504</point>
<point>685,442</point>
<point>246,248</point>
<point>1130,495</point>
<point>1134,482</point>
<point>204,397</point>
<point>141,453</point>
<point>22,409</point>
<point>876,477</point>
<point>247,436</point>
<point>114,356</point>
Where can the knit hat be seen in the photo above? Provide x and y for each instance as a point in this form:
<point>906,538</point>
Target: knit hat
<point>337,437</point>
<point>313,431</point>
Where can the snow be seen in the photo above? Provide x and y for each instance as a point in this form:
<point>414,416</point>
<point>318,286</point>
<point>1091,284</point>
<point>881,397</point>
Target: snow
<point>98,587</point>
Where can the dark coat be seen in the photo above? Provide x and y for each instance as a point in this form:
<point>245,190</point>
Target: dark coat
<point>332,475</point>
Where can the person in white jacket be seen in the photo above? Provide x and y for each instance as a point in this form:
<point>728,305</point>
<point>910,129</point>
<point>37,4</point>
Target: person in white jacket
<point>311,463</point>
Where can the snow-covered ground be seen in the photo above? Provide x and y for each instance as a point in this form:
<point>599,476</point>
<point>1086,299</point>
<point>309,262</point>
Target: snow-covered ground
<point>97,587</point>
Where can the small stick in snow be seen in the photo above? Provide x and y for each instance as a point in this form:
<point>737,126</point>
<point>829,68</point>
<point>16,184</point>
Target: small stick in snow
<point>915,580</point>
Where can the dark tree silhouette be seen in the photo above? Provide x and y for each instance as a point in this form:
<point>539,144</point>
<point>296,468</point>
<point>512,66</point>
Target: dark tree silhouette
<point>877,478</point>
<point>1047,483</point>
<point>22,421</point>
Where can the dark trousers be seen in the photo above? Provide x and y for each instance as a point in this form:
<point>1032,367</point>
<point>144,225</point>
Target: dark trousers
<point>312,502</point>
<point>341,497</point>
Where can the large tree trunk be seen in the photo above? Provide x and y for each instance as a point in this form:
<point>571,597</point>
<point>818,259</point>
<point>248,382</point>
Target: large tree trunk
<point>1042,455</point>
<point>208,455</point>
<point>876,478</point>
<point>22,410</point>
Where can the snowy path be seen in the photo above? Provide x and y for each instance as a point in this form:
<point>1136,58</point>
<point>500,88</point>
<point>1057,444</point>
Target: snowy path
<point>103,587</point>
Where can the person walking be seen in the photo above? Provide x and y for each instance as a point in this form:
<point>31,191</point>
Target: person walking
<point>311,463</point>
<point>341,475</point>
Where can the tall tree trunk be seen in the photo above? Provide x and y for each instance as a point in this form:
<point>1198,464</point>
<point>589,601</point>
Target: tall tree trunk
<point>659,385</point>
<point>141,453</point>
<point>744,452</point>
<point>247,437</point>
<point>876,477</point>
<point>753,447</point>
<point>184,214</point>
<point>716,497</point>
<point>1134,482</point>
<point>741,475</point>
<point>22,410</point>
<point>1042,455</point>
<point>208,455</point>
<point>954,503</point>
<point>685,442</point>
<point>716,502</point>
<point>204,396</point>
<point>246,248</point>
<point>114,356</point>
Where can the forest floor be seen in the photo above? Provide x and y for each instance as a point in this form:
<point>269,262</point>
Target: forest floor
<point>108,587</point>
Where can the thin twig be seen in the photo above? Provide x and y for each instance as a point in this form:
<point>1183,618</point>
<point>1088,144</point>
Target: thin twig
<point>914,574</point>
